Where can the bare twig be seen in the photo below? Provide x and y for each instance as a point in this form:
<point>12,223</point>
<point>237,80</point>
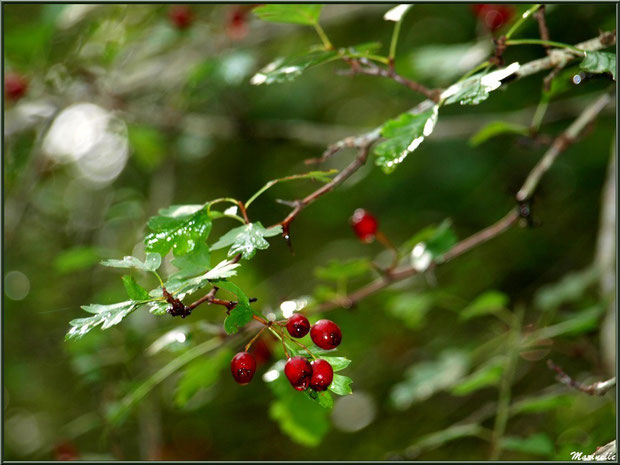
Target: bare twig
<point>542,25</point>
<point>595,389</point>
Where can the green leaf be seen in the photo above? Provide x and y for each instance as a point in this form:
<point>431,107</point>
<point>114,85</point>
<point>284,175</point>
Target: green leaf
<point>489,375</point>
<point>290,13</point>
<point>238,317</point>
<point>570,288</point>
<point>424,379</point>
<point>543,403</point>
<point>288,69</point>
<point>437,241</point>
<point>246,239</point>
<point>195,262</point>
<point>486,303</point>
<point>298,416</point>
<point>578,323</point>
<point>599,62</point>
<point>76,259</point>
<point>404,134</point>
<point>337,270</point>
<point>183,287</point>
<point>361,50</point>
<point>410,307</point>
<point>476,88</point>
<point>324,398</point>
<point>341,385</point>
<point>537,444</point>
<point>152,262</point>
<point>337,363</point>
<point>496,128</point>
<point>104,315</point>
<point>134,290</point>
<point>236,290</point>
<point>201,374</point>
<point>181,232</point>
<point>471,94</point>
<point>158,307</point>
<point>148,145</point>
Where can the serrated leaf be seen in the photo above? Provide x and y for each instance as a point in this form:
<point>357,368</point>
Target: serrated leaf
<point>246,239</point>
<point>201,374</point>
<point>472,94</point>
<point>537,444</point>
<point>195,262</point>
<point>411,308</point>
<point>495,129</point>
<point>288,69</point>
<point>324,398</point>
<point>182,233</point>
<point>134,290</point>
<point>337,270</point>
<point>183,287</point>
<point>424,379</point>
<point>485,304</point>
<point>289,13</point>
<point>599,62</point>
<point>488,375</point>
<point>152,262</point>
<point>104,315</point>
<point>341,385</point>
<point>239,316</point>
<point>404,134</point>
<point>337,363</point>
<point>476,88</point>
<point>158,307</point>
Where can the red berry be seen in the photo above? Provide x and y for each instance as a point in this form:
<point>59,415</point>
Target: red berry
<point>15,86</point>
<point>326,334</point>
<point>322,375</point>
<point>181,16</point>
<point>493,16</point>
<point>364,224</point>
<point>299,372</point>
<point>236,26</point>
<point>298,325</point>
<point>243,367</point>
<point>261,351</point>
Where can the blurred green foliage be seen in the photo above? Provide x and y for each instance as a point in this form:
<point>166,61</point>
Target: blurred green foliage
<point>426,372</point>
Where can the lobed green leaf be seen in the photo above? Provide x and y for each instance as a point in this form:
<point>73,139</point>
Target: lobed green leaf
<point>174,229</point>
<point>152,262</point>
<point>134,290</point>
<point>246,239</point>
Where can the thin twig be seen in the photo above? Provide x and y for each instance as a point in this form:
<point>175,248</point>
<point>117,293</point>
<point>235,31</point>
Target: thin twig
<point>599,388</point>
<point>542,26</point>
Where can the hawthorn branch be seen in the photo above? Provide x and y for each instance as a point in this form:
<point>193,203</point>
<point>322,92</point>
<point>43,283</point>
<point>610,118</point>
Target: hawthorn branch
<point>505,223</point>
<point>558,58</point>
<point>599,388</point>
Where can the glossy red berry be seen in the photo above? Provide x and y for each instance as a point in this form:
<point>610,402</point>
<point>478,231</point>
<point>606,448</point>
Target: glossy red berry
<point>493,16</point>
<point>364,224</point>
<point>243,367</point>
<point>298,325</point>
<point>181,16</point>
<point>322,375</point>
<point>326,334</point>
<point>299,372</point>
<point>15,86</point>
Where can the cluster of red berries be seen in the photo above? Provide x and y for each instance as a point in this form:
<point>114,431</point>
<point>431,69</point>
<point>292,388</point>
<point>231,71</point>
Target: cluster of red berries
<point>15,86</point>
<point>302,374</point>
<point>493,16</point>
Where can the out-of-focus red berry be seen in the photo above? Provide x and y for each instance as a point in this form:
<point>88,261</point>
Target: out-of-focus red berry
<point>236,24</point>
<point>65,451</point>
<point>493,16</point>
<point>262,352</point>
<point>364,225</point>
<point>181,16</point>
<point>15,86</point>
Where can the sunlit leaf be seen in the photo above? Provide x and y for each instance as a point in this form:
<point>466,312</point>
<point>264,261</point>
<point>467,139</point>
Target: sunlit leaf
<point>288,69</point>
<point>104,315</point>
<point>495,129</point>
<point>152,262</point>
<point>134,290</point>
<point>180,232</point>
<point>599,62</point>
<point>341,385</point>
<point>437,240</point>
<point>397,13</point>
<point>246,239</point>
<point>403,135</point>
<point>476,88</point>
<point>289,13</point>
<point>487,303</point>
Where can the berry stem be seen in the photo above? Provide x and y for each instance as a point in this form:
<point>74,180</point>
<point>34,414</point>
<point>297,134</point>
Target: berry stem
<point>301,345</point>
<point>249,344</point>
<point>383,240</point>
